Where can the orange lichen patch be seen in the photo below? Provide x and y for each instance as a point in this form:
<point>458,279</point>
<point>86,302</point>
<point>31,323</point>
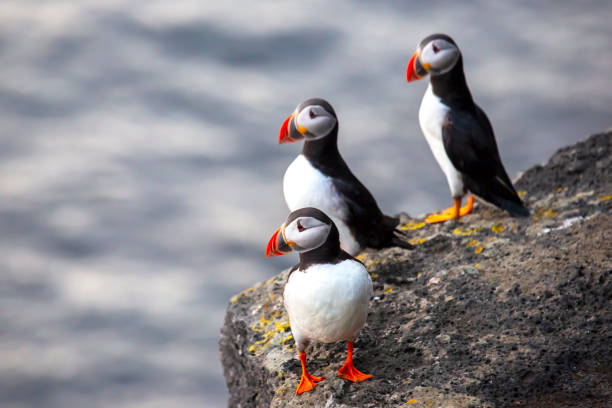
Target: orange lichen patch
<point>561,189</point>
<point>388,290</point>
<point>374,275</point>
<point>458,231</point>
<point>605,198</point>
<point>412,401</point>
<point>417,241</point>
<point>413,225</point>
<point>521,193</point>
<point>478,250</point>
<point>477,265</point>
<point>472,243</point>
<point>499,227</point>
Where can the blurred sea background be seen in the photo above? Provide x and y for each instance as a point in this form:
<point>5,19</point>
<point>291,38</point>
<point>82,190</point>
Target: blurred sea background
<point>141,176</point>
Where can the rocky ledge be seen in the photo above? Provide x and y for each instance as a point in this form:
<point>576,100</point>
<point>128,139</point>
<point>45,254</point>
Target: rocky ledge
<point>490,312</point>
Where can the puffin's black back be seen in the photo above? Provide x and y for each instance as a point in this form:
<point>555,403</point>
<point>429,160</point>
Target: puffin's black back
<point>469,142</point>
<point>370,227</point>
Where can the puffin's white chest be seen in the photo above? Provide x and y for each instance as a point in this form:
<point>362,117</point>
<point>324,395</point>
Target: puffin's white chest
<point>432,115</point>
<point>328,303</point>
<point>305,186</point>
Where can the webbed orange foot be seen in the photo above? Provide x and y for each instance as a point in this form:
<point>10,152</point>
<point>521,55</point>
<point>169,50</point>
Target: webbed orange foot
<point>308,381</point>
<point>452,213</point>
<point>348,370</point>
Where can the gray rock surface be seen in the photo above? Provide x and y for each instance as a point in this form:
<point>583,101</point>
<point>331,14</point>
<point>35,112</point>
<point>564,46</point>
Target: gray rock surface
<point>490,312</point>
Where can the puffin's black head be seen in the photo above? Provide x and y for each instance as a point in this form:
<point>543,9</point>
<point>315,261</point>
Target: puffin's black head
<point>313,119</point>
<point>436,54</point>
<point>304,230</point>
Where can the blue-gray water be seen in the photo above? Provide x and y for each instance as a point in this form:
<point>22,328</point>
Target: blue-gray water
<point>140,175</point>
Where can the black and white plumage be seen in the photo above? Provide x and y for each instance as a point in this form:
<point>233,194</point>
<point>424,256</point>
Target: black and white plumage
<point>457,129</point>
<point>319,177</point>
<point>327,293</point>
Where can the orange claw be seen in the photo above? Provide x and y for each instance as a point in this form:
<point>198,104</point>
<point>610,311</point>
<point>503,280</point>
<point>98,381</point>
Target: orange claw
<point>348,370</point>
<point>308,382</point>
<point>453,212</point>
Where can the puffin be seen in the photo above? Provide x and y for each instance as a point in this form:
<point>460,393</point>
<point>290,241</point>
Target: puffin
<point>327,293</point>
<point>459,132</point>
<point>320,178</point>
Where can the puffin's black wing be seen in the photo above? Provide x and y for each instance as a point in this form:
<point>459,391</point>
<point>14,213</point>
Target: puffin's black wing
<point>369,225</point>
<point>364,217</point>
<point>470,144</point>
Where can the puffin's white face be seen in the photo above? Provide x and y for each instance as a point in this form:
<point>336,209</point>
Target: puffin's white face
<point>314,122</point>
<point>302,234</point>
<point>436,55</point>
<point>439,56</point>
<point>306,233</point>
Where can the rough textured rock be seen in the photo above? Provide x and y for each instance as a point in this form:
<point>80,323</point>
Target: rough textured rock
<point>490,312</point>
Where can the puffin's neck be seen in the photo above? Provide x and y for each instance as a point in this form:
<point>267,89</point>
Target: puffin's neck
<point>329,252</point>
<point>452,88</point>
<point>324,150</point>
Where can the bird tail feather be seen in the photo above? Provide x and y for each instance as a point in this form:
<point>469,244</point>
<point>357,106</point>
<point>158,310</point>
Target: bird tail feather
<point>515,209</point>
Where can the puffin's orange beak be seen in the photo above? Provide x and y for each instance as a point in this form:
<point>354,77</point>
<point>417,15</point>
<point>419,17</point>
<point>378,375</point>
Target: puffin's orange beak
<point>277,245</point>
<point>415,70</point>
<point>283,136</point>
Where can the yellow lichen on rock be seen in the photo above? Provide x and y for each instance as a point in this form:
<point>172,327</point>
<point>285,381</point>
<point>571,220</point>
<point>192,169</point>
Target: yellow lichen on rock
<point>417,241</point>
<point>499,227</point>
<point>458,231</point>
<point>605,198</point>
<point>544,212</point>
<point>269,333</point>
<point>413,225</point>
<point>474,243</point>
<point>241,294</point>
<point>272,323</point>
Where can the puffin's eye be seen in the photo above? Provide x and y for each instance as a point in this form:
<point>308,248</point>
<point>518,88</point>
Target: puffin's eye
<point>435,48</point>
<point>300,227</point>
<point>312,114</point>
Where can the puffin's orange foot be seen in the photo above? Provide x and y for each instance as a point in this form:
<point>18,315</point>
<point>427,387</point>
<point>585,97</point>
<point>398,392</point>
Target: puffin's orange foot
<point>452,212</point>
<point>307,383</point>
<point>443,216</point>
<point>349,372</point>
